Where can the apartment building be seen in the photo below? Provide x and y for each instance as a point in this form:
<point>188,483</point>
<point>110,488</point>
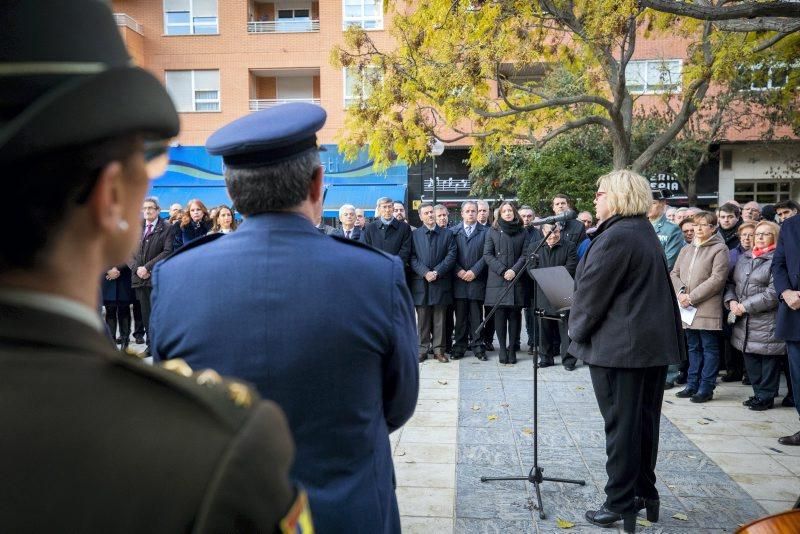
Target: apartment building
<point>221,59</point>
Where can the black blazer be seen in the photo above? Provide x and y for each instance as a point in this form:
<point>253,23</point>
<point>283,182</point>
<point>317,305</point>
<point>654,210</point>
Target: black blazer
<point>355,234</point>
<point>124,438</point>
<point>624,312</point>
<point>470,258</point>
<point>432,250</point>
<point>394,238</point>
<point>564,253</point>
<point>157,246</point>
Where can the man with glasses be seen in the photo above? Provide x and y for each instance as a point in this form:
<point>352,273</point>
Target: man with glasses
<point>751,212</point>
<point>156,244</point>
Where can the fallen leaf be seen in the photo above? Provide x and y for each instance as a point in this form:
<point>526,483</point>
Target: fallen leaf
<point>527,431</point>
<point>579,388</point>
<point>700,421</point>
<point>488,387</point>
<point>442,382</point>
<point>692,457</point>
<point>671,486</point>
<point>492,417</point>
<point>682,517</point>
<point>643,522</point>
<point>563,523</point>
<point>504,405</point>
<point>476,407</point>
<point>400,452</point>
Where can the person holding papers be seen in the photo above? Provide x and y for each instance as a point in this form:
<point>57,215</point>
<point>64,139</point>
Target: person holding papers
<point>699,277</point>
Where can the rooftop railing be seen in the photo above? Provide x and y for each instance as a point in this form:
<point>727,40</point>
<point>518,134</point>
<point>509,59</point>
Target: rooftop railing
<point>266,103</point>
<point>283,26</point>
<point>126,20</point>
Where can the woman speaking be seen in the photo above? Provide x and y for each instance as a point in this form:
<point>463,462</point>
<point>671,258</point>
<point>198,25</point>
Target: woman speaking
<point>625,325</point>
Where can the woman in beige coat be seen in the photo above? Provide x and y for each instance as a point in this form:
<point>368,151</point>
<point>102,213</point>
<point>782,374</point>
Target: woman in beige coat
<point>699,278</point>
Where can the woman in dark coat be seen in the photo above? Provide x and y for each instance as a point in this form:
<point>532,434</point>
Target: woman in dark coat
<point>503,252</point>
<point>117,298</point>
<point>751,297</point>
<point>625,324</point>
<point>195,223</point>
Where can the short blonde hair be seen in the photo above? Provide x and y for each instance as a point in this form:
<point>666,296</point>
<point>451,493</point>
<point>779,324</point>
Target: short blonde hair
<point>627,193</point>
<point>774,229</point>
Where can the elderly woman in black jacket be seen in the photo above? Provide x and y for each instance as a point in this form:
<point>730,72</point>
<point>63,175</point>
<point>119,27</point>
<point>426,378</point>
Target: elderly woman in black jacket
<point>503,252</point>
<point>751,298</point>
<point>625,324</point>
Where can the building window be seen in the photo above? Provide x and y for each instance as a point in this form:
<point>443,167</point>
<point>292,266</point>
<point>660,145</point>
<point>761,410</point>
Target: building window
<point>190,17</point>
<point>194,90</point>
<point>292,20</point>
<point>653,75</point>
<point>357,90</point>
<point>762,191</point>
<point>763,78</point>
<point>365,13</point>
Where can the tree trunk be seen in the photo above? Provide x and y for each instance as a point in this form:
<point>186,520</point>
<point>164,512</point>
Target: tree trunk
<point>622,152</point>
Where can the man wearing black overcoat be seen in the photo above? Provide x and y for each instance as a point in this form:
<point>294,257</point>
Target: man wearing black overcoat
<point>387,233</point>
<point>433,256</point>
<point>469,282</point>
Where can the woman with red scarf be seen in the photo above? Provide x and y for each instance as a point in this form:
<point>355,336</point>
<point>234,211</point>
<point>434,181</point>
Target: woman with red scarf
<point>751,298</point>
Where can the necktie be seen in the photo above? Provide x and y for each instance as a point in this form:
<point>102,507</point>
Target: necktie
<point>347,234</point>
<point>148,231</point>
<point>468,230</point>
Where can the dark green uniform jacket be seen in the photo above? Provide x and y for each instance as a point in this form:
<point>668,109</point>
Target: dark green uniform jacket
<point>96,441</point>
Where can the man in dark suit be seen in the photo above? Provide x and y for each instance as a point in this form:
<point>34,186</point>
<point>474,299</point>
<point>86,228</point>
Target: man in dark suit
<point>156,244</point>
<point>94,440</point>
<point>488,330</point>
<point>344,387</point>
<point>574,230</point>
<point>469,284</point>
<point>387,233</point>
<point>433,256</point>
<point>348,230</point>
<point>786,276</point>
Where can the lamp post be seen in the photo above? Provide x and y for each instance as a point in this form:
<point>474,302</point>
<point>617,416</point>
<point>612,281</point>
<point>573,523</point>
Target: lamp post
<point>436,149</point>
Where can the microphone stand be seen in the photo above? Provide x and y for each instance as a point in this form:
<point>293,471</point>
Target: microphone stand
<point>535,475</point>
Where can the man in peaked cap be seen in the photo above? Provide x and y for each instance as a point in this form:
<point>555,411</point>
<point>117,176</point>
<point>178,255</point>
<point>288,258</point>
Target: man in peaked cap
<point>298,332</point>
<point>95,441</point>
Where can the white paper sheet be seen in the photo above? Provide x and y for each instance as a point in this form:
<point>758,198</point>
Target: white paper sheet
<point>687,314</point>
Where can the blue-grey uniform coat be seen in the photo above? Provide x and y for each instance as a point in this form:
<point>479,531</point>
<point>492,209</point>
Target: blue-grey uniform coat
<point>323,326</point>
<point>470,258</point>
<point>786,275</point>
<point>432,250</point>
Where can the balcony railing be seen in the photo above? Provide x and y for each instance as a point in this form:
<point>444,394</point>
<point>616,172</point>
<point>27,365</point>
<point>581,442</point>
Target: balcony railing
<point>283,26</point>
<point>266,103</point>
<point>126,20</point>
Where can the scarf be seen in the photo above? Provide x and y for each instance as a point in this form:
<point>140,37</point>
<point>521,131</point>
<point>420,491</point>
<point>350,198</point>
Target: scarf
<point>761,251</point>
<point>511,228</point>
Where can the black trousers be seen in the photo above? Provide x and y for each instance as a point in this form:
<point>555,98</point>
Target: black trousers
<point>764,373</point>
<point>449,326</point>
<point>143,294</point>
<point>555,342</point>
<point>138,324</point>
<point>118,313</point>
<point>488,331</point>
<point>430,325</point>
<point>630,401</point>
<point>468,319</point>
<point>506,319</point>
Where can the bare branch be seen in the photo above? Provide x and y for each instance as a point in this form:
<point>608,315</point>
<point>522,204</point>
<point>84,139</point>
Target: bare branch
<point>585,121</point>
<point>551,103</point>
<point>767,43</point>
<point>740,10</point>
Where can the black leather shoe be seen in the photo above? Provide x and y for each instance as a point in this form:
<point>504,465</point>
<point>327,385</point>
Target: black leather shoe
<point>749,401</point>
<point>569,366</point>
<point>489,347</point>
<point>787,402</point>
<point>746,381</point>
<point>668,385</point>
<point>545,362</point>
<point>681,378</point>
<point>651,505</point>
<point>481,356</point>
<point>732,377</point>
<point>686,393</point>
<point>503,356</point>
<point>530,351</point>
<point>516,347</point>
<point>139,339</point>
<point>702,397</point>
<point>605,518</point>
<point>456,355</point>
<point>760,405</point>
<point>512,357</point>
<point>794,439</point>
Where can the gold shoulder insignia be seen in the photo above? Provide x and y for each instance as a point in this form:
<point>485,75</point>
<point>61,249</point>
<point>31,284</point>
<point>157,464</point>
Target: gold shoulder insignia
<point>240,394</point>
<point>208,377</point>
<point>178,366</point>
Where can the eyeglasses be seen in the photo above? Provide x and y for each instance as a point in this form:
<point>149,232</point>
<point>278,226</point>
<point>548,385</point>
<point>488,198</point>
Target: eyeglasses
<point>763,234</point>
<point>696,225</point>
<point>599,194</point>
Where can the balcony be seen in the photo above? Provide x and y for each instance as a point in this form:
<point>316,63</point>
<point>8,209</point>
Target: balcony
<point>126,21</point>
<point>273,87</point>
<point>283,17</point>
<point>266,103</point>
<point>283,26</point>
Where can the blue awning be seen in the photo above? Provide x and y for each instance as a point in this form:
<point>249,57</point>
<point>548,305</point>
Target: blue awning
<point>360,196</point>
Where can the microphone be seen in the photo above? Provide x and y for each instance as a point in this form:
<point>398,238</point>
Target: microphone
<point>560,218</point>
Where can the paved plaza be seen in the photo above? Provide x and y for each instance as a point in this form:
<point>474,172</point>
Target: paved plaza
<point>720,464</point>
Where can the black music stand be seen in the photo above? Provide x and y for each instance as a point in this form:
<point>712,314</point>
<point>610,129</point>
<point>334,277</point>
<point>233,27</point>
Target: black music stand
<point>558,290</point>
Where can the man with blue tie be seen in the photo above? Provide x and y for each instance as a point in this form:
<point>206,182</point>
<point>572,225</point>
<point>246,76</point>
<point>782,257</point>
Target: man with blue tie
<point>469,284</point>
<point>345,386</point>
<point>349,230</point>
